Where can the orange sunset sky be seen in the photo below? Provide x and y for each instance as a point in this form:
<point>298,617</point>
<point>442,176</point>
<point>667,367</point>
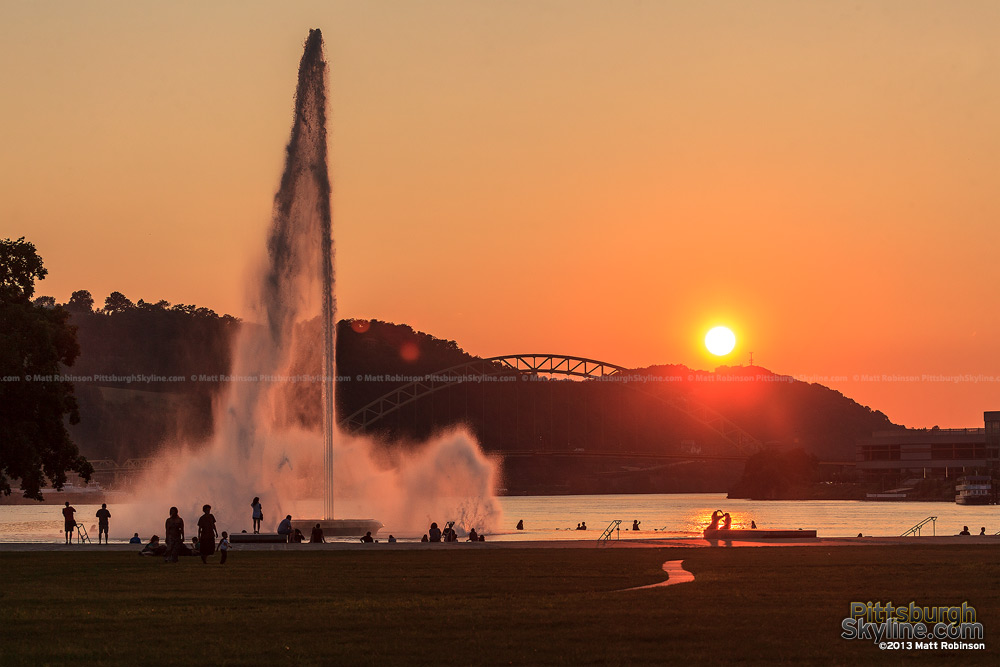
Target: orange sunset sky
<point>606,179</point>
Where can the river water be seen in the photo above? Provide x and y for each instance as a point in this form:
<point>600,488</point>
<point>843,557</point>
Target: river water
<point>556,517</point>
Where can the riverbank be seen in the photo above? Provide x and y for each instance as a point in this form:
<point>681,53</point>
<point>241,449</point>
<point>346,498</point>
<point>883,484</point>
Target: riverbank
<point>488,603</point>
<point>590,543</point>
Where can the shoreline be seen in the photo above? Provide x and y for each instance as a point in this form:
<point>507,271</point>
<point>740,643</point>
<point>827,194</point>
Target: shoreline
<point>650,543</point>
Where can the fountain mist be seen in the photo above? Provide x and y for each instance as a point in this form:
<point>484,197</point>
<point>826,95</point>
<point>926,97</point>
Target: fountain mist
<point>259,449</point>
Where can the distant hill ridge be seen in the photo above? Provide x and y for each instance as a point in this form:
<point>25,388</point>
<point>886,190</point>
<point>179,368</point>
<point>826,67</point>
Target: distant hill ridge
<point>548,415</point>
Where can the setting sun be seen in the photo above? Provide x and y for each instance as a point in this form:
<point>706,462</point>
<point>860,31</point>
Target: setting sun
<point>720,341</point>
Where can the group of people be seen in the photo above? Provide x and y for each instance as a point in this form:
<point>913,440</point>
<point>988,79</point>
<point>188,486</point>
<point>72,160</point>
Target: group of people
<point>70,523</point>
<point>203,545</point>
<point>717,516</point>
<point>435,534</point>
<point>293,535</point>
<point>965,531</point>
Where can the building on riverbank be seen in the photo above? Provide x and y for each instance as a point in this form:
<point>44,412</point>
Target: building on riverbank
<point>892,457</point>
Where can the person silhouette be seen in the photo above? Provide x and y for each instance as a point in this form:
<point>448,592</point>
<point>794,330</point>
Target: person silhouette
<point>635,524</point>
<point>727,521</point>
<point>258,515</point>
<point>965,531</point>
<point>520,524</point>
<point>102,522</point>
<point>69,522</point>
<point>207,533</point>
<point>224,547</point>
<point>716,517</point>
<point>285,527</point>
<point>174,527</point>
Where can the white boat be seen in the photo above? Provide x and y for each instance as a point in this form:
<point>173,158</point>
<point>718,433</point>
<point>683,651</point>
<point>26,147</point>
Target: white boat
<point>974,490</point>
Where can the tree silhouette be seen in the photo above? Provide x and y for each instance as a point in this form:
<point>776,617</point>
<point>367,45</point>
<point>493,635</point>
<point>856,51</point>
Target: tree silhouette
<point>117,303</point>
<point>34,341</point>
<point>80,301</point>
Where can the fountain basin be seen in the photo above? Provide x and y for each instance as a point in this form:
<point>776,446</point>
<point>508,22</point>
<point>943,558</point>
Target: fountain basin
<point>338,527</point>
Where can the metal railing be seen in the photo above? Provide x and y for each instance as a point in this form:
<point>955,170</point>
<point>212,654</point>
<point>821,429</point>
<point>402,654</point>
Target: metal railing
<point>81,534</point>
<point>916,529</point>
<point>613,528</point>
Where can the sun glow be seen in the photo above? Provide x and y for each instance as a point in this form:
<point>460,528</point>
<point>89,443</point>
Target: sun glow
<point>720,341</point>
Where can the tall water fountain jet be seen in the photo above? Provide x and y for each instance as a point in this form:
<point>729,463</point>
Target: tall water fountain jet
<point>261,447</point>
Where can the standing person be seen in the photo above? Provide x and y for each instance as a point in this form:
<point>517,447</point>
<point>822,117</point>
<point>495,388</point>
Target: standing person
<point>69,522</point>
<point>258,515</point>
<point>224,547</point>
<point>207,533</point>
<point>174,528</point>
<point>102,522</point>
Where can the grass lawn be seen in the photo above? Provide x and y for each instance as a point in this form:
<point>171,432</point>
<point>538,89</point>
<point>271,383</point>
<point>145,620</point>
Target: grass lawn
<point>468,605</point>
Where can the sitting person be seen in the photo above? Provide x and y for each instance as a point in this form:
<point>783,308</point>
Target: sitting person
<point>473,536</point>
<point>185,550</point>
<point>285,527</point>
<point>135,539</point>
<point>583,525</point>
<point>434,533</point>
<point>965,531</point>
<point>716,517</point>
<point>424,538</point>
<point>482,538</point>
<point>154,548</point>
<point>727,521</point>
<point>368,539</point>
<point>392,540</point>
<point>297,537</point>
<point>317,535</point>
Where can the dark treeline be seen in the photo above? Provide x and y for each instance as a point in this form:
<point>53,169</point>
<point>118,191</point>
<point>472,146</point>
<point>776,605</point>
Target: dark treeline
<point>121,419</point>
<point>123,416</point>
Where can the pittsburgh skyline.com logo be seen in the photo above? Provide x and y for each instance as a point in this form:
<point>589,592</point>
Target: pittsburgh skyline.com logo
<point>914,627</point>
